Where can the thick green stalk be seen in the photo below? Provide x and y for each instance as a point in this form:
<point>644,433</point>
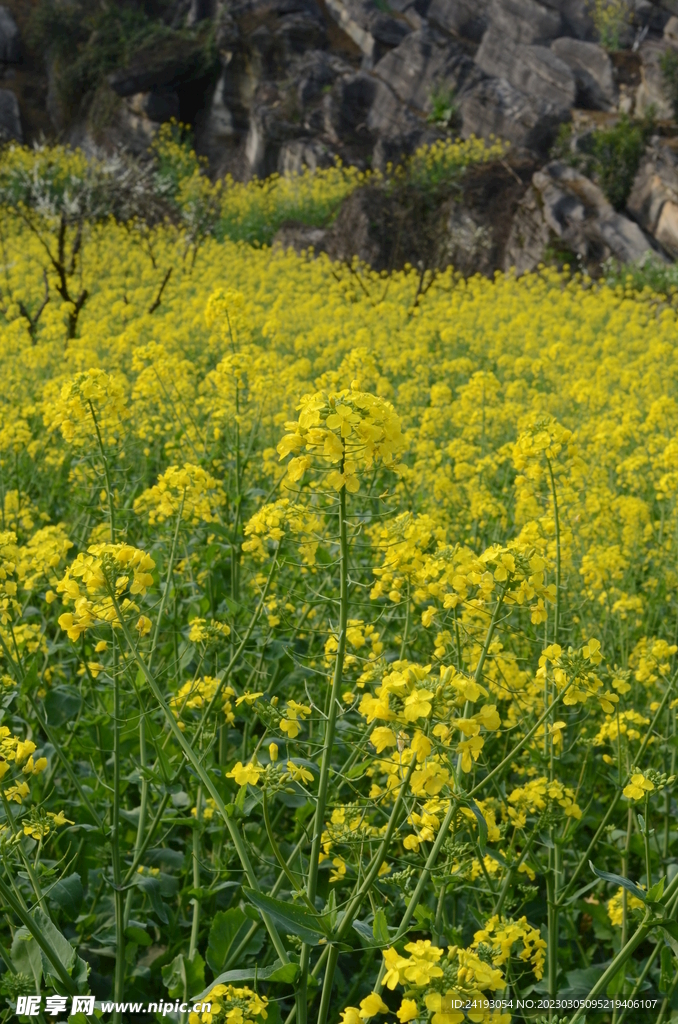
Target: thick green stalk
<point>118,898</point>
<point>195,924</point>
<point>646,841</point>
<point>326,760</point>
<point>143,805</point>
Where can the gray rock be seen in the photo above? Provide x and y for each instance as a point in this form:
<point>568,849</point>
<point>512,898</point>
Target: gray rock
<point>162,66</point>
<point>388,116</point>
<point>9,38</point>
<point>424,62</point>
<point>268,131</point>
<point>566,207</point>
<point>534,70</point>
<point>465,18</point>
<point>671,31</point>
<point>576,15</point>
<point>10,118</point>
<point>651,92</point>
<point>495,107</point>
<point>300,238</point>
<point>370,28</point>
<point>314,72</point>
<point>158,106</point>
<point>347,107</point>
<point>593,72</point>
<point>519,21</point>
<point>653,201</point>
<point>299,154</point>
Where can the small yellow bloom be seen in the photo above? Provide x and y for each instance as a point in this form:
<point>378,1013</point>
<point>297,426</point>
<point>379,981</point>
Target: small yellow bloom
<point>371,1005</point>
<point>408,1011</point>
<point>638,787</point>
<point>298,773</point>
<point>245,773</point>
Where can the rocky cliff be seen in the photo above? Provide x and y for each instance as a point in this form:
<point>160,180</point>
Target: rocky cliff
<point>280,85</point>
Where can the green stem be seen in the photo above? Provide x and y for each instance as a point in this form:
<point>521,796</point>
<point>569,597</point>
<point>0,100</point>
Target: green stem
<point>195,924</point>
<point>119,979</point>
<point>143,804</point>
<point>168,577</point>
<point>646,841</point>
<point>325,764</point>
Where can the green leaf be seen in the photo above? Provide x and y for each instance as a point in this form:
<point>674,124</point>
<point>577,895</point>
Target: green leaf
<point>68,894</point>
<point>380,929</point>
<point>26,955</point>
<point>59,943</point>
<point>283,974</point>
<point>226,926</point>
<point>655,892</point>
<point>330,909</point>
<point>184,976</point>
<point>365,932</point>
<point>62,704</point>
<point>424,915</point>
<point>670,929</point>
<point>151,886</point>
<point>292,918</point>
<point>667,973</point>
<point>626,883</point>
<point>482,826</point>
<point>135,933</point>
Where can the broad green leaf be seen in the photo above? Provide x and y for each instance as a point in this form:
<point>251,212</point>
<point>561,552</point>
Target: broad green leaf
<point>293,919</point>
<point>626,883</point>
<point>137,934</point>
<point>184,976</point>
<point>151,886</point>
<point>68,894</point>
<point>284,974</point>
<point>62,704</point>
<point>226,925</point>
<point>26,955</point>
<point>380,929</point>
<point>656,891</point>
<point>482,826</point>
<point>365,932</point>
<point>670,929</point>
<point>59,943</point>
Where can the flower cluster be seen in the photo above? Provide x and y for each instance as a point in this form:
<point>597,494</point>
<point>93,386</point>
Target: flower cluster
<point>350,429</point>
<point>189,490</point>
<point>96,584</point>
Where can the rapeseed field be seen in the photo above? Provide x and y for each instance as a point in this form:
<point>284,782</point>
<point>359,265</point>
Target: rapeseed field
<point>338,628</point>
